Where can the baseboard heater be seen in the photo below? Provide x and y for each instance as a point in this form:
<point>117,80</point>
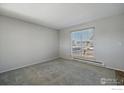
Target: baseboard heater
<point>90,61</point>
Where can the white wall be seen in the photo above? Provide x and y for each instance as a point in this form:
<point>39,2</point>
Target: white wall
<point>109,41</point>
<point>23,44</point>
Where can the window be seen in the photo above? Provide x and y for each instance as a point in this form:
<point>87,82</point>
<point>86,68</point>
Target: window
<point>82,43</point>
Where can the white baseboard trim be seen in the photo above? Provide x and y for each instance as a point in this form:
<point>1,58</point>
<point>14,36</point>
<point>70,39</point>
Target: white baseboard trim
<point>36,62</point>
<point>90,63</point>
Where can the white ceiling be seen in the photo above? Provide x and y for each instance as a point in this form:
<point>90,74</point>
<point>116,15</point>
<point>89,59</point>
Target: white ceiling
<point>59,16</point>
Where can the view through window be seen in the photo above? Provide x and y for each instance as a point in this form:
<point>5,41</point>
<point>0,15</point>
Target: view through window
<point>82,43</point>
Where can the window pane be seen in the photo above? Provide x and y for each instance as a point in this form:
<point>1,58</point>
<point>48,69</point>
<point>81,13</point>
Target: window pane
<point>82,43</point>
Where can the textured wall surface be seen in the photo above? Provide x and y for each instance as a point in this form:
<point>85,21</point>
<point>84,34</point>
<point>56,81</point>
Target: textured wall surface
<point>108,41</point>
<point>23,43</point>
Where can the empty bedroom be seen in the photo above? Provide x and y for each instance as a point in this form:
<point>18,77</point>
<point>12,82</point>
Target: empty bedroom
<point>61,44</point>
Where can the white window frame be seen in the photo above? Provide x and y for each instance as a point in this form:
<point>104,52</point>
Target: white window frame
<point>81,30</point>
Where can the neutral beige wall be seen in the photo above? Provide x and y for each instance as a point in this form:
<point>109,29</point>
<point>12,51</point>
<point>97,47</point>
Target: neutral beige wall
<point>108,41</point>
<point>23,44</point>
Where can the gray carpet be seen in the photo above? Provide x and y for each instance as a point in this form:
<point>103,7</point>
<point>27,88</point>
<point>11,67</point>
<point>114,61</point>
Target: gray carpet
<point>58,72</point>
